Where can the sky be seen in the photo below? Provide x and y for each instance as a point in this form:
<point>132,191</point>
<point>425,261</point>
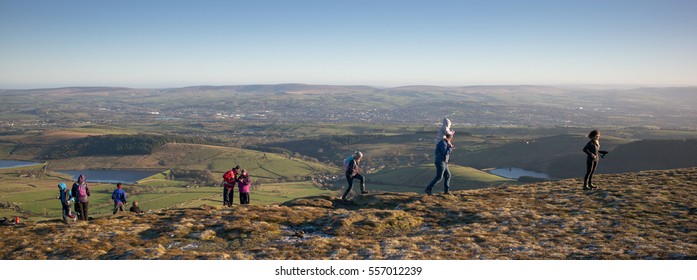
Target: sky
<point>154,44</point>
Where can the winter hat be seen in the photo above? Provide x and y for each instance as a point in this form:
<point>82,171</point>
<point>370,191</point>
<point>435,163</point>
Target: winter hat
<point>62,186</point>
<point>81,179</point>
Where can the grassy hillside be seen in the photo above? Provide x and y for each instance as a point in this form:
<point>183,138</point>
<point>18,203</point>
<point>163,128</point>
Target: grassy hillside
<point>415,179</point>
<point>646,215</point>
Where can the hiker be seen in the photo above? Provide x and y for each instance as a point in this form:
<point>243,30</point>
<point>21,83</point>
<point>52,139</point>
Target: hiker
<point>442,156</point>
<point>66,199</point>
<point>444,129</point>
<point>229,179</point>
<point>353,172</point>
<point>81,191</point>
<point>135,208</point>
<point>593,152</point>
<point>119,197</point>
<point>243,183</point>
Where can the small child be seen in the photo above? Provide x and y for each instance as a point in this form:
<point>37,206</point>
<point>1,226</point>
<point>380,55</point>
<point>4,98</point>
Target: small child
<point>66,199</point>
<point>243,183</point>
<point>135,208</point>
<point>444,130</point>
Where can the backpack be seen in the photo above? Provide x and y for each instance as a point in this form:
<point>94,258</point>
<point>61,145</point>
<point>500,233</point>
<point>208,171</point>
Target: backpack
<point>347,162</point>
<point>82,190</point>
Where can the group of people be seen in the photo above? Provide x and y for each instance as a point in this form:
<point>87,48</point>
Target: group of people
<point>240,177</point>
<point>443,149</point>
<point>80,192</point>
<point>79,196</point>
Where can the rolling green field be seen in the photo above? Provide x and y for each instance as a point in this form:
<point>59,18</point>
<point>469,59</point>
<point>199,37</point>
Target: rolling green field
<point>267,166</point>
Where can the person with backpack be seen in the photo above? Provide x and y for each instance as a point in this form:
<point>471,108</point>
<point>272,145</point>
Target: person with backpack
<point>66,199</point>
<point>229,180</point>
<point>593,152</point>
<point>244,184</point>
<point>119,197</point>
<point>442,156</point>
<point>81,192</point>
<point>352,171</point>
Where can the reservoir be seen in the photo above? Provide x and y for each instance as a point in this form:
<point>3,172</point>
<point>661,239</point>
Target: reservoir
<point>515,173</point>
<point>16,163</point>
<point>110,175</point>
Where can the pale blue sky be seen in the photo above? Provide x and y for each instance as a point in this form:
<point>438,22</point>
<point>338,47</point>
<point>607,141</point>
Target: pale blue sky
<point>380,43</point>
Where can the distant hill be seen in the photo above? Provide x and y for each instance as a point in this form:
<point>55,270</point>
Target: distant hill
<point>632,157</point>
<point>639,216</point>
<point>559,156</point>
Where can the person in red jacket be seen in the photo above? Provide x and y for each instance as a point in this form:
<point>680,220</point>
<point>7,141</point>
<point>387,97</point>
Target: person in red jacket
<point>229,179</point>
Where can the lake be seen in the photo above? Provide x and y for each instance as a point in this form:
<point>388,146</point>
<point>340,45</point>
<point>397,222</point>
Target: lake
<point>16,163</point>
<point>110,175</point>
<point>515,173</point>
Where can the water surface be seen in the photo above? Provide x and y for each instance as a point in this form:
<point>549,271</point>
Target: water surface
<point>515,173</point>
<point>16,163</point>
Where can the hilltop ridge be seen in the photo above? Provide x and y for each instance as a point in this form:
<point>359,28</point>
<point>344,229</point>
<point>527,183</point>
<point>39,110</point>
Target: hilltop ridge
<point>644,215</point>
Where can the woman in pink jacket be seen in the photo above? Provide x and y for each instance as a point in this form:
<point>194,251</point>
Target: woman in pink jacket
<point>243,183</point>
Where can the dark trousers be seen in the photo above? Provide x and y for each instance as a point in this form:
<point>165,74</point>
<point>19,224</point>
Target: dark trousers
<point>244,198</point>
<point>81,209</point>
<point>350,178</point>
<point>119,207</point>
<point>228,195</point>
<point>442,171</point>
<point>66,212</point>
<point>591,164</point>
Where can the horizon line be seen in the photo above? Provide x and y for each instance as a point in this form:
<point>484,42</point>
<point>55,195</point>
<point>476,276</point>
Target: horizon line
<point>581,85</point>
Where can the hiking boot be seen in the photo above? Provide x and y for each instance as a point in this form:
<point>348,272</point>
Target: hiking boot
<point>447,193</point>
<point>586,188</point>
<point>593,186</point>
<point>428,192</point>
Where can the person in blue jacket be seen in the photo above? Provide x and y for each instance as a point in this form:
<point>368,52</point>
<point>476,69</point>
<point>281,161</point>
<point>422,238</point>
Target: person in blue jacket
<point>119,197</point>
<point>66,199</point>
<point>442,156</point>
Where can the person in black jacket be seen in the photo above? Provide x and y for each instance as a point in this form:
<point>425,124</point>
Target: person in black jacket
<point>352,172</point>
<point>593,152</point>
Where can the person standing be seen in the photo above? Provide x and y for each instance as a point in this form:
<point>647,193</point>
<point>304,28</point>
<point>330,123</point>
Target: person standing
<point>353,172</point>
<point>66,199</point>
<point>593,153</point>
<point>81,192</point>
<point>119,197</point>
<point>442,157</point>
<point>244,185</point>
<point>229,179</point>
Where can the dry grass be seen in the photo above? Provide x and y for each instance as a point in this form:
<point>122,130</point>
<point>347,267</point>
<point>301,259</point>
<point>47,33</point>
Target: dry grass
<point>646,215</point>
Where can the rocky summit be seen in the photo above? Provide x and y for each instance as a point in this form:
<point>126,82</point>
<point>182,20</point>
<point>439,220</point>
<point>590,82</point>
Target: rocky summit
<point>645,215</point>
